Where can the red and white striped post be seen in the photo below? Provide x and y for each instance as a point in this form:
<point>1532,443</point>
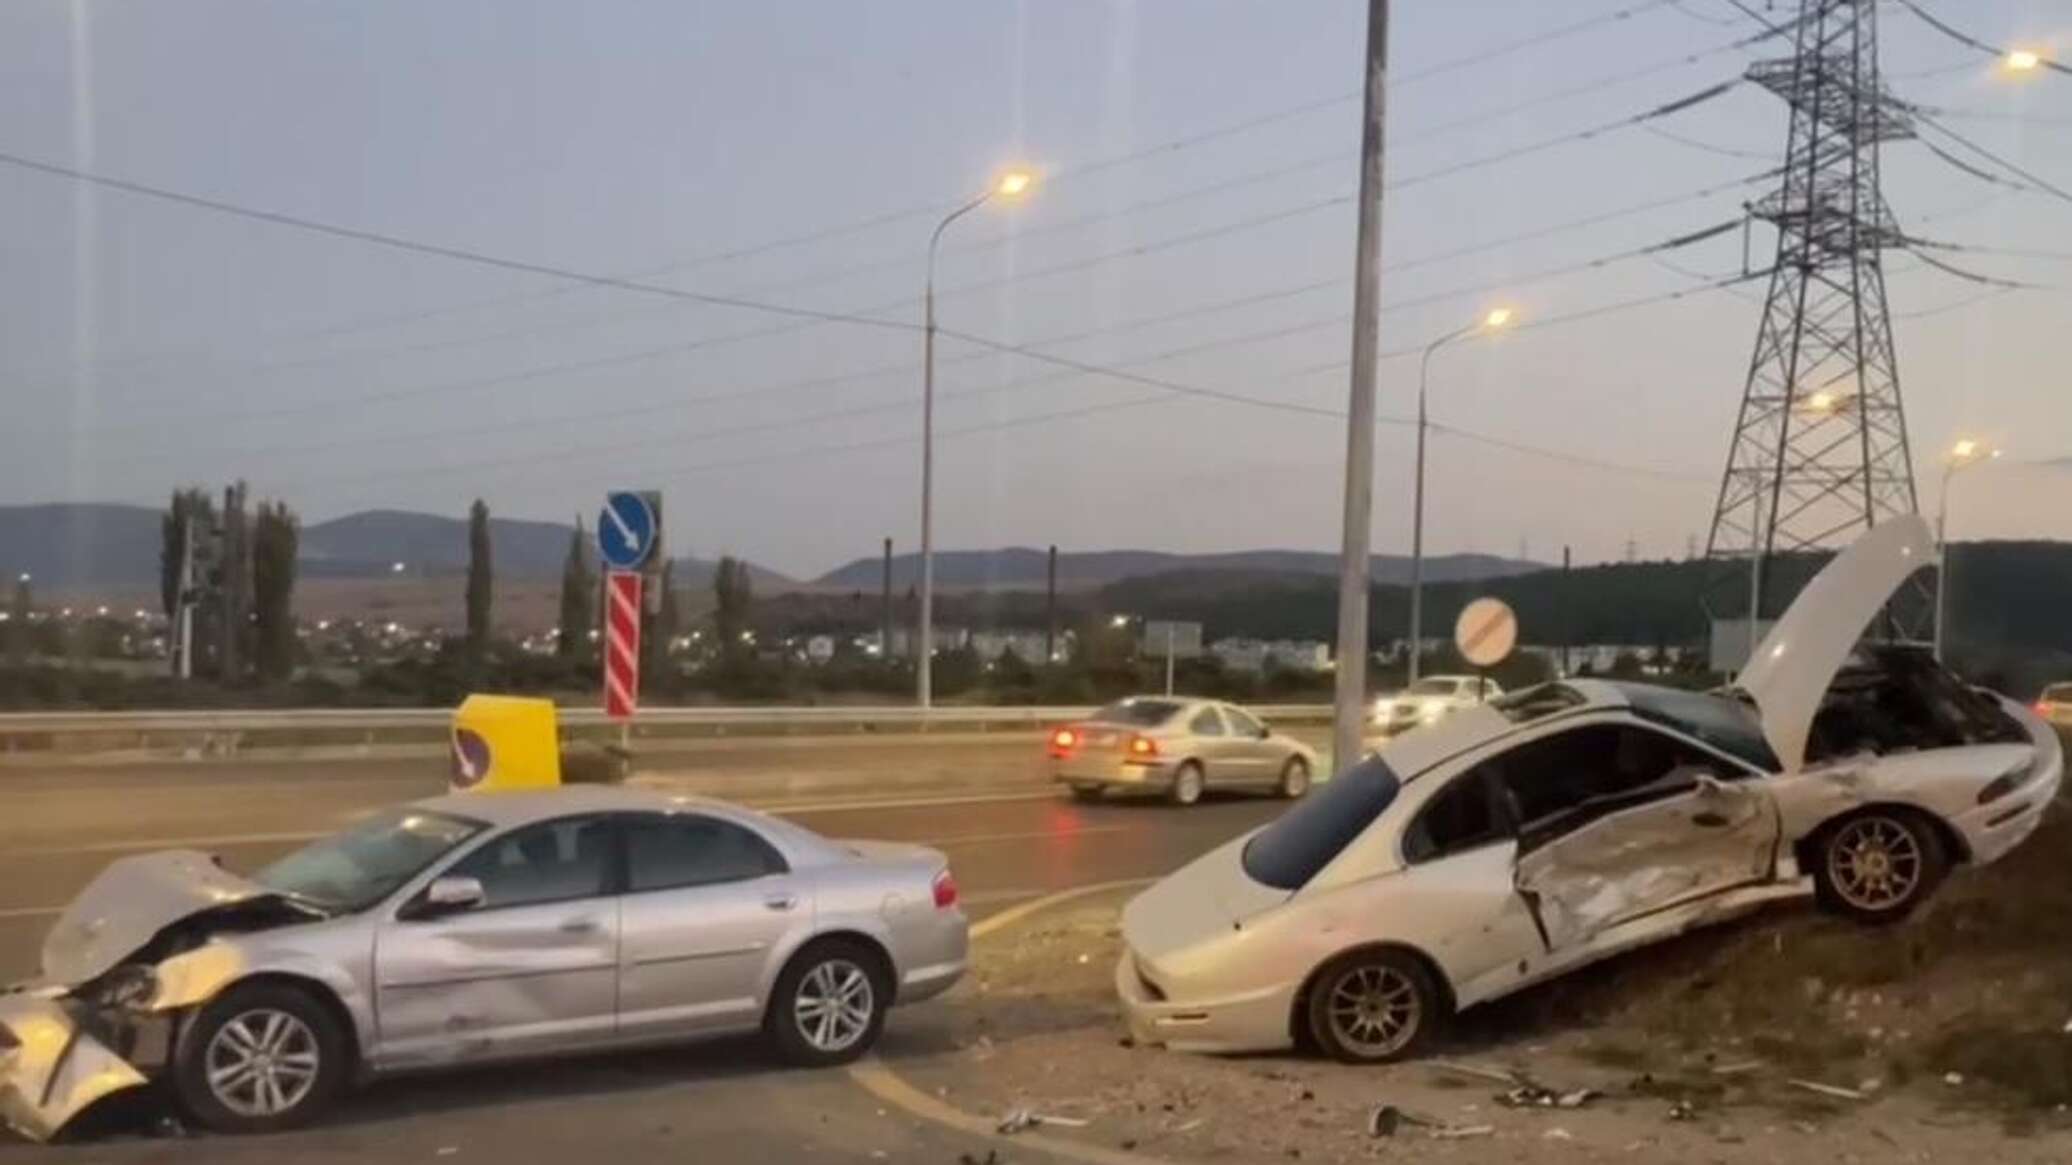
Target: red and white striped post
<point>622,644</point>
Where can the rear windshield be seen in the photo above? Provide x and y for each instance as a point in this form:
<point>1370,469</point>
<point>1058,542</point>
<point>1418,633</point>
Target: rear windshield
<point>1138,713</point>
<point>1723,722</point>
<point>1288,853</point>
<point>2058,693</point>
<point>1531,703</point>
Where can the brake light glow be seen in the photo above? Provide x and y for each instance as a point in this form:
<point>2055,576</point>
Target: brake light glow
<point>945,890</point>
<point>1063,741</point>
<point>1143,746</point>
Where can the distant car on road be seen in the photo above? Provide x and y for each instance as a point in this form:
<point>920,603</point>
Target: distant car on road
<point>1564,823</point>
<point>1431,699</point>
<point>2055,705</point>
<point>1179,747</point>
<point>468,929</point>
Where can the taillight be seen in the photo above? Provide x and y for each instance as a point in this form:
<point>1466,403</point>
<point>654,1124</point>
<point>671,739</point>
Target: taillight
<point>1143,746</point>
<point>945,891</point>
<point>1063,741</point>
<point>2043,708</point>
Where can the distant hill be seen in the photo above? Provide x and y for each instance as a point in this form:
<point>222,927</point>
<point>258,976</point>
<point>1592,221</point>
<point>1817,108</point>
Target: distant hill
<point>101,545</point>
<point>1022,567</point>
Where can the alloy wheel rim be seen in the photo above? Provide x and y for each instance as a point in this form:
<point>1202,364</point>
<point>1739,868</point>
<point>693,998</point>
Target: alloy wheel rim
<point>262,1063</point>
<point>1874,863</point>
<point>1190,785</point>
<point>834,1004</point>
<point>1375,1010</point>
<point>1297,780</point>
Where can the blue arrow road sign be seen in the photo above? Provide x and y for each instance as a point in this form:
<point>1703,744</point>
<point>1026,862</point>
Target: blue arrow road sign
<point>625,530</point>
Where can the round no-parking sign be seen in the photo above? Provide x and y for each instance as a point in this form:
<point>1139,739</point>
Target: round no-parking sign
<point>1486,632</point>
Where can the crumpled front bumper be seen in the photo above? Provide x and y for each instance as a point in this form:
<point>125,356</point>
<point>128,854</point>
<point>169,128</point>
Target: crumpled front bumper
<point>51,1068</point>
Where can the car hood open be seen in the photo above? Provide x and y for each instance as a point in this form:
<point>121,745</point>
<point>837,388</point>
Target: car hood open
<point>1796,663</point>
<point>131,902</point>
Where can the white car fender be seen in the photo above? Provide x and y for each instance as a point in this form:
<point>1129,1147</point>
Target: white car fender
<point>1943,782</point>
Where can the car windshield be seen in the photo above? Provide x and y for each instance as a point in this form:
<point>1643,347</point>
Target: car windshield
<point>1288,853</point>
<point>1434,687</point>
<point>1138,713</point>
<point>355,869</point>
<point>1720,721</point>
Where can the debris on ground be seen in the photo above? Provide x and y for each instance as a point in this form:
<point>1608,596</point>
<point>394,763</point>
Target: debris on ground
<point>1683,1110</point>
<point>1557,1133</point>
<point>1384,1121</point>
<point>1021,1120</point>
<point>1953,1079</point>
<point>992,1157</point>
<point>1500,1075</point>
<point>1461,1132</point>
<point>1539,1096</point>
<point>1834,1090</point>
<point>1737,1068</point>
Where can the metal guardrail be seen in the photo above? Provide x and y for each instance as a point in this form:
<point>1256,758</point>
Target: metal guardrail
<point>376,719</point>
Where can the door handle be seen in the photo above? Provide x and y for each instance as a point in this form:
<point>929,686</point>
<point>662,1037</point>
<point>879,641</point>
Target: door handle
<point>781,901</point>
<point>581,926</point>
<point>1710,820</point>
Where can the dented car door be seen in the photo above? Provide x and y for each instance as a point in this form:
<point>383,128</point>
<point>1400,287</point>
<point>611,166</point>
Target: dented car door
<point>1622,821</point>
<point>533,968</point>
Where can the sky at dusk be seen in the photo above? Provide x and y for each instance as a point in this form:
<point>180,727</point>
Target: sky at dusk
<point>1192,225</point>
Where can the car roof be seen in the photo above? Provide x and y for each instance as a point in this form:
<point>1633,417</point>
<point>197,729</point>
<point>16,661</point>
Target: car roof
<point>505,808</point>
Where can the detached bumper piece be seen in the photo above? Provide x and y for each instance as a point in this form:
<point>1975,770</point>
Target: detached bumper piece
<point>51,1068</point>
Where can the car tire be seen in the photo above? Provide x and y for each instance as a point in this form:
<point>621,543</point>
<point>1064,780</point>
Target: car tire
<point>1876,865</point>
<point>260,1058</point>
<point>1186,788</point>
<point>1294,778</point>
<point>1374,1007</point>
<point>812,1018</point>
<point>1086,792</point>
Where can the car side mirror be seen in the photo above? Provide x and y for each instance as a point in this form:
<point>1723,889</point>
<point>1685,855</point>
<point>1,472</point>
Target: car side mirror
<point>449,895</point>
<point>1265,730</point>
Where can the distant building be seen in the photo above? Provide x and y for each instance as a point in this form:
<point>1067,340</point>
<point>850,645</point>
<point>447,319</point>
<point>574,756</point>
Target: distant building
<point>1253,655</point>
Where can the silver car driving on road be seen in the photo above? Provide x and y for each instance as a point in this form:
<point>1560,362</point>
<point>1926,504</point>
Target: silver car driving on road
<point>469,929</point>
<point>1179,747</point>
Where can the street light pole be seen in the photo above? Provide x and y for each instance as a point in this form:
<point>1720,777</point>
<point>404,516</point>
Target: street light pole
<point>1010,184</point>
<point>1350,703</point>
<point>1495,319</point>
<point>1963,456</point>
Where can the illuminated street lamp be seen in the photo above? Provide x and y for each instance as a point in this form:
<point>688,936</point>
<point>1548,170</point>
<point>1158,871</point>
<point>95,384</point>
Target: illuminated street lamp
<point>1011,184</point>
<point>1962,456</point>
<point>2022,61</point>
<point>1495,320</point>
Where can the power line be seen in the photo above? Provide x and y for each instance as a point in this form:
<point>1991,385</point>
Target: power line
<point>2036,182</point>
<point>1968,40</point>
<point>1082,169</point>
<point>806,317</point>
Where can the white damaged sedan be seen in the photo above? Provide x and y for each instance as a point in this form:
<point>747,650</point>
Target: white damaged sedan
<point>1565,823</point>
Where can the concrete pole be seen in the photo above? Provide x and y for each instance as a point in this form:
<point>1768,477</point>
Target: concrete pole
<point>1350,705</point>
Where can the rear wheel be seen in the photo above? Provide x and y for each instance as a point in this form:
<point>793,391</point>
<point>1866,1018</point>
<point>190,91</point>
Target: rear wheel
<point>1371,1007</point>
<point>260,1058</point>
<point>1187,784</point>
<point>1879,864</point>
<point>1294,778</point>
<point>829,1003</point>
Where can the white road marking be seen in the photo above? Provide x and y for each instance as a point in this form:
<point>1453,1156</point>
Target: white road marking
<point>31,912</point>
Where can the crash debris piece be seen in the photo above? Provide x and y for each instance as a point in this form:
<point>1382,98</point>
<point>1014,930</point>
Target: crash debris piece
<point>1736,1069</point>
<point>1539,1096</point>
<point>1021,1120</point>
<point>1501,1075</point>
<point>1683,1110</point>
<point>1834,1090</point>
<point>1953,1079</point>
<point>1462,1132</point>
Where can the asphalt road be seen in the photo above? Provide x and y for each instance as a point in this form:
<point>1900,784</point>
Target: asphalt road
<point>1009,841</point>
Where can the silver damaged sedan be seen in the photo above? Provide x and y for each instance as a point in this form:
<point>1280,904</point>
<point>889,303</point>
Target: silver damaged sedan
<point>470,929</point>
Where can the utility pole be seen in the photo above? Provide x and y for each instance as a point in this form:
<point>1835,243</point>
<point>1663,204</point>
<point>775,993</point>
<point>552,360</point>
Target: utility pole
<point>1567,633</point>
<point>1169,658</point>
<point>1050,609</point>
<point>885,607</point>
<point>183,632</point>
<point>1350,709</point>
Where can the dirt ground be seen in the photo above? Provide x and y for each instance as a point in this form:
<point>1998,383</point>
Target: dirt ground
<point>1953,1027</point>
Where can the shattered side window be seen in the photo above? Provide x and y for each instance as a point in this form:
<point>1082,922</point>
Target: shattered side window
<point>1462,817</point>
<point>1723,722</point>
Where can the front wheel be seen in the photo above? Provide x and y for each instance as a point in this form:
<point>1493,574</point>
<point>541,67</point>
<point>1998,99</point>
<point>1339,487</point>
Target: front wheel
<point>1294,778</point>
<point>260,1058</point>
<point>1878,865</point>
<point>1372,1007</point>
<point>829,1003</point>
